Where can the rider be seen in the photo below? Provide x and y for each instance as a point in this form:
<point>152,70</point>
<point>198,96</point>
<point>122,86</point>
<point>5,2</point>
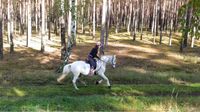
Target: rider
<point>93,54</point>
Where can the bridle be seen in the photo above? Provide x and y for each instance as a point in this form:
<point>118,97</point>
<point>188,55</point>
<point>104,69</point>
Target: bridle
<point>112,63</point>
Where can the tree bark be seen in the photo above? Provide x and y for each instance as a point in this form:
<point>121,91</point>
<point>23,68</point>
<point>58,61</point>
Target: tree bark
<point>130,15</point>
<point>171,23</point>
<point>49,21</point>
<point>63,42</point>
<point>103,25</point>
<point>117,18</point>
<point>107,23</point>
<point>162,13</point>
<point>36,16</point>
<point>188,20</point>
<point>10,26</point>
<point>83,16</point>
<point>184,39</point>
<point>142,20</point>
<point>153,25</point>
<point>29,25</point>
<point>94,22</point>
<point>43,26</point>
<point>193,37</point>
<point>21,18</point>
<point>1,31</point>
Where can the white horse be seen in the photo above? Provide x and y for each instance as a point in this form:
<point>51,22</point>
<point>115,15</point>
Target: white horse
<point>81,67</point>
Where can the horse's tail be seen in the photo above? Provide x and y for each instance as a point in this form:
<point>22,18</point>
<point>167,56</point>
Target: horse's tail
<point>66,71</point>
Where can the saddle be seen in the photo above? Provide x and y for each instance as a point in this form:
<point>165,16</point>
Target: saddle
<point>92,64</point>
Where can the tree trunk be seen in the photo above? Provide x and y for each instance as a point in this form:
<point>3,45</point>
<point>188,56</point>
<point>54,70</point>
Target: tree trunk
<point>136,19</point>
<point>9,20</point>
<point>107,23</point>
<point>63,42</point>
<point>134,25</point>
<point>74,22</point>
<point>21,19</point>
<point>142,19</point>
<point>193,38</point>
<point>162,13</point>
<point>49,21</point>
<point>10,25</point>
<point>71,29</point>
<point>103,25</point>
<point>1,31</point>
<point>36,16</point>
<point>171,23</point>
<point>183,42</point>
<point>117,18</point>
<point>130,16</point>
<point>29,25</point>
<point>153,25</point>
<point>170,35</point>
<point>156,18</point>
<point>188,19</point>
<point>94,22</point>
<point>83,16</point>
<point>43,26</point>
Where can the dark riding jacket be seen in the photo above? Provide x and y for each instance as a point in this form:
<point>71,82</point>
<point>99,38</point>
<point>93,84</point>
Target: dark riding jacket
<point>93,52</point>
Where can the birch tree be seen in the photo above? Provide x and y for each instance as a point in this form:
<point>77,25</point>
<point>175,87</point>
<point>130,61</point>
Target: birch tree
<point>94,18</point>
<point>162,16</point>
<point>107,23</point>
<point>10,25</point>
<point>171,23</point>
<point>103,25</point>
<point>29,25</point>
<point>1,31</point>
<point>142,19</point>
<point>43,26</point>
<point>63,41</point>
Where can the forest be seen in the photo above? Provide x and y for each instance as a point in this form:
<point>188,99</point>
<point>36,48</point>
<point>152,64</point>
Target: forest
<point>153,46</point>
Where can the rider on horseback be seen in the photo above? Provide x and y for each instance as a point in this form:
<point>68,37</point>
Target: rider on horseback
<point>93,54</point>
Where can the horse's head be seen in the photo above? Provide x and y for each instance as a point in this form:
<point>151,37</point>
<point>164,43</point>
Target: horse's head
<point>111,59</point>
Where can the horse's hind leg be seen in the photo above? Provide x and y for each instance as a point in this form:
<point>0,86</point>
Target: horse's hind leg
<point>61,78</point>
<point>82,82</point>
<point>99,82</point>
<point>74,81</point>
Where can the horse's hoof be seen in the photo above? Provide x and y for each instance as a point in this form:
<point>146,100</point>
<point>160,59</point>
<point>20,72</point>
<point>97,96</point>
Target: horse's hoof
<point>109,87</point>
<point>97,82</point>
<point>60,83</point>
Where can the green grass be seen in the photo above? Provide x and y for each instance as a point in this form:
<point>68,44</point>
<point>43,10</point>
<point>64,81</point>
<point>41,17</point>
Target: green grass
<point>98,98</point>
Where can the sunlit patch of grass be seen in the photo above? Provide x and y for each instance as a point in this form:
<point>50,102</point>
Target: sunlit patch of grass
<point>19,92</point>
<point>176,81</point>
<point>195,85</point>
<point>192,59</point>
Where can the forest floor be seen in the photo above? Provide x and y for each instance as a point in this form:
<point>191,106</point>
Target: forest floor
<point>147,78</point>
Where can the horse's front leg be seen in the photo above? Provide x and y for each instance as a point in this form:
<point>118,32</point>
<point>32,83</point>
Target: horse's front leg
<point>105,78</point>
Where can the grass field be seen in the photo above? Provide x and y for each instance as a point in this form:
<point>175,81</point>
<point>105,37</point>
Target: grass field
<point>147,78</point>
